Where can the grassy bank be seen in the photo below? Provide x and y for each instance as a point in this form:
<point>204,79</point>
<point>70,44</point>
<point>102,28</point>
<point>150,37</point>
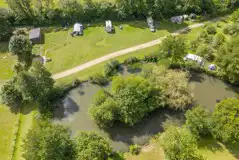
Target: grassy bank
<point>8,131</point>
<point>67,52</point>
<point>209,148</point>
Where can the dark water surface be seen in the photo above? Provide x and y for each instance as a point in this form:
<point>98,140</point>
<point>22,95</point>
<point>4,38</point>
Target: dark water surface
<point>74,113</point>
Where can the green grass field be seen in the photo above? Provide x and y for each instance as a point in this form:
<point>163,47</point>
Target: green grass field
<point>3,3</point>
<point>6,63</point>
<point>67,52</point>
<point>8,129</point>
<point>13,129</point>
<point>210,149</point>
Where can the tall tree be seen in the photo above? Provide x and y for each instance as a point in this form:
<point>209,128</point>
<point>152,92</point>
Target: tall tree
<point>10,95</point>
<point>92,146</point>
<point>180,144</point>
<point>228,59</point>
<point>47,141</point>
<point>174,48</point>
<point>198,121</point>
<point>21,8</point>
<point>5,28</point>
<point>21,46</point>
<point>226,121</point>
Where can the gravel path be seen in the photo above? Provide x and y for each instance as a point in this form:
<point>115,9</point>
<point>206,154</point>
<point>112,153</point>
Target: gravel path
<point>123,52</point>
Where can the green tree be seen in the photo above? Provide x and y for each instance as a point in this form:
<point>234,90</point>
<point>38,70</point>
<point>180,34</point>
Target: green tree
<point>5,28</point>
<point>47,141</point>
<point>21,8</point>
<point>174,48</point>
<point>179,144</point>
<point>21,46</point>
<point>174,86</point>
<point>10,95</point>
<point>34,84</point>
<point>198,121</point>
<point>130,100</point>
<point>91,146</point>
<point>135,97</point>
<point>219,39</point>
<point>226,121</point>
<point>205,51</point>
<point>103,111</point>
<point>235,16</point>
<point>228,60</point>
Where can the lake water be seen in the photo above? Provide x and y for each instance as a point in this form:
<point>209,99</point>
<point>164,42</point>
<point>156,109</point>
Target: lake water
<point>74,113</point>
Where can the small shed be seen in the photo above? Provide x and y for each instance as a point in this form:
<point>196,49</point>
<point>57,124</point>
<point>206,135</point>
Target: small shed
<point>109,27</point>
<point>177,19</point>
<point>35,36</point>
<point>78,29</point>
<point>195,58</point>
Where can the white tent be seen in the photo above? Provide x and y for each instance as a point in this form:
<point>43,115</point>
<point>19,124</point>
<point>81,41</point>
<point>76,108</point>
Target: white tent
<point>78,27</point>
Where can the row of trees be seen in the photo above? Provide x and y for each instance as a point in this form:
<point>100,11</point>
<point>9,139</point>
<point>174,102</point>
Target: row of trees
<point>48,11</point>
<point>31,82</point>
<point>48,141</point>
<point>134,97</point>
<point>222,124</point>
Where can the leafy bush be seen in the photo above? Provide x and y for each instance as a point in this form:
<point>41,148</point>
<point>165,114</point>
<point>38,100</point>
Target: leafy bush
<point>226,29</point>
<point>198,121</point>
<point>226,121</point>
<point>205,51</point>
<point>111,68</point>
<point>103,111</point>
<point>151,58</point>
<point>219,39</point>
<point>92,146</point>
<point>134,149</point>
<point>131,60</point>
<point>174,86</point>
<point>98,79</point>
<point>51,141</point>
<point>129,100</point>
<point>194,45</point>
<point>211,30</point>
<point>174,48</point>
<point>179,144</point>
<point>231,29</point>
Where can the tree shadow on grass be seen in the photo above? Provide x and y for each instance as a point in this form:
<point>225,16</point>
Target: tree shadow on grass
<point>211,145</point>
<point>3,47</point>
<point>234,149</point>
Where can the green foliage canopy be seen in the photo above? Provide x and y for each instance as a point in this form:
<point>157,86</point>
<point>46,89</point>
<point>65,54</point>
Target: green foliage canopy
<point>226,121</point>
<point>91,146</point>
<point>179,143</point>
<point>46,141</point>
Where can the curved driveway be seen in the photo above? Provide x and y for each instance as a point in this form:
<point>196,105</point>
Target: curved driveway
<point>122,52</point>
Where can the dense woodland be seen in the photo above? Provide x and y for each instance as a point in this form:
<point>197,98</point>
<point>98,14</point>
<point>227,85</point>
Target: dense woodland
<point>47,12</point>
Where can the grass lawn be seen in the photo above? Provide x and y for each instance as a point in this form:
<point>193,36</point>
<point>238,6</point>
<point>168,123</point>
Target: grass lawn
<point>210,149</point>
<point>6,63</point>
<point>3,3</point>
<point>26,121</point>
<point>67,52</point>
<point>8,129</point>
<point>83,75</point>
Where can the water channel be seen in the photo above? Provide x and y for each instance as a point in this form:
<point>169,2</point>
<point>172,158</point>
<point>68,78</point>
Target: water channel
<point>74,112</point>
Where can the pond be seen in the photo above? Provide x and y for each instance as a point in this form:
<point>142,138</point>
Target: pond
<point>74,112</point>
